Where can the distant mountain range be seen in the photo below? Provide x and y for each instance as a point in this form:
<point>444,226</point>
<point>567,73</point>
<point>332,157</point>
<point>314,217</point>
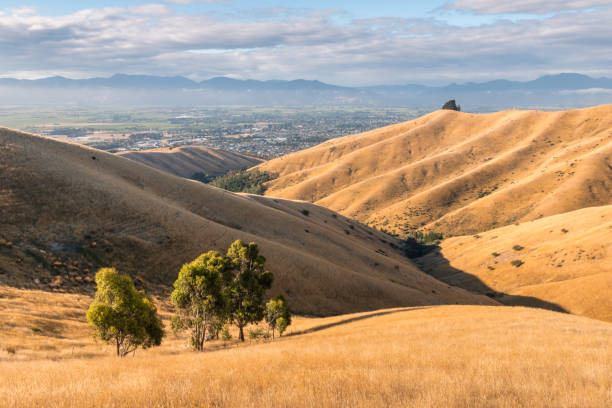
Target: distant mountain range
<point>175,82</point>
<point>555,91</point>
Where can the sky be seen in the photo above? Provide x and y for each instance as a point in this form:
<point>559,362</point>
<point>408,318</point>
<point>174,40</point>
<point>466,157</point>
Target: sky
<point>352,43</point>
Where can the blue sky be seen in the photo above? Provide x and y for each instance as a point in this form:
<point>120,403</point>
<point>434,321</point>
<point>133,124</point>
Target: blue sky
<point>342,42</point>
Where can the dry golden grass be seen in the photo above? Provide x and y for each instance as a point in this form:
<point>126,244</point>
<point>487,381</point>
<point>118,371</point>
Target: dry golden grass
<point>458,173</point>
<point>185,160</point>
<point>442,356</point>
<point>66,210</point>
<point>567,261</point>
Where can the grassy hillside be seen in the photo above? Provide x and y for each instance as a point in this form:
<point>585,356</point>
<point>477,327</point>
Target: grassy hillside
<point>66,210</point>
<point>441,356</point>
<point>458,173</point>
<point>186,160</point>
<point>565,260</point>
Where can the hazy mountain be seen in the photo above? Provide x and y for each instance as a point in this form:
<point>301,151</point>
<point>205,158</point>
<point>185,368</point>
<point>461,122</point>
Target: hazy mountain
<point>565,90</point>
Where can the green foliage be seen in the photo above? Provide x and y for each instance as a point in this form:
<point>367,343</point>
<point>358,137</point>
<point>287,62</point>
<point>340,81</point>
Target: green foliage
<point>122,315</point>
<point>516,263</point>
<point>198,296</point>
<point>243,181</point>
<point>278,315</point>
<point>214,290</point>
<point>225,334</point>
<point>256,333</point>
<point>202,177</point>
<point>428,237</point>
<point>247,286</point>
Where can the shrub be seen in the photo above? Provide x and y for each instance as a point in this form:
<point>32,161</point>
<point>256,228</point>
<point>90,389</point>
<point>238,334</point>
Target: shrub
<point>428,237</point>
<point>243,181</point>
<point>516,263</point>
<point>518,248</point>
<point>202,177</point>
<point>225,334</point>
<point>256,333</point>
<point>278,315</point>
<point>495,254</point>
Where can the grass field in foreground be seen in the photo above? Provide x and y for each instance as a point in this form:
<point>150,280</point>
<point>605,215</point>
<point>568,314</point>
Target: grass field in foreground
<point>437,356</point>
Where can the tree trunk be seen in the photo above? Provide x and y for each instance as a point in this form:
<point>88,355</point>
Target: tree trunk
<point>241,334</point>
<point>118,348</point>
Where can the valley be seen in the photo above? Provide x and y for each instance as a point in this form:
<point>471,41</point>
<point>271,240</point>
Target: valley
<point>511,307</point>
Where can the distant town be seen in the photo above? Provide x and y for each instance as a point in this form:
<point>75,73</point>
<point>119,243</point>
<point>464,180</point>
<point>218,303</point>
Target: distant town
<point>260,132</point>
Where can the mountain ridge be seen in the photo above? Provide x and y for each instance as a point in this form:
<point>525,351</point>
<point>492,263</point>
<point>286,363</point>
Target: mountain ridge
<point>561,81</point>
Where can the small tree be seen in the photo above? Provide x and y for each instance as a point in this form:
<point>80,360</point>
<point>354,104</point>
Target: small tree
<point>278,315</point>
<point>246,289</point>
<point>198,296</point>
<point>122,315</point>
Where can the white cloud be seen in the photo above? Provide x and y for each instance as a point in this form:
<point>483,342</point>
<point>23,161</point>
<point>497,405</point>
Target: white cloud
<point>194,1</point>
<point>154,39</point>
<point>524,6</point>
<point>589,91</point>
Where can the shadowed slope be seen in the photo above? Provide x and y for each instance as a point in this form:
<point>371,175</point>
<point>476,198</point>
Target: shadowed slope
<point>66,210</point>
<point>567,260</point>
<point>456,172</point>
<point>186,160</point>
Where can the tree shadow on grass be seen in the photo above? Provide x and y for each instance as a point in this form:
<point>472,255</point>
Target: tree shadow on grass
<point>429,259</point>
<point>354,319</point>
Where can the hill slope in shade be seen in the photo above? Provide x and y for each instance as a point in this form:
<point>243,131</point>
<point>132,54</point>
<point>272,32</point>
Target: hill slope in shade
<point>66,210</point>
<point>184,161</point>
<point>567,261</point>
<point>458,173</point>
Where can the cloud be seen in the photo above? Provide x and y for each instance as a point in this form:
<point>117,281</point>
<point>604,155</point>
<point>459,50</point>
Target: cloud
<point>155,39</point>
<point>194,1</point>
<point>589,91</point>
<point>524,6</point>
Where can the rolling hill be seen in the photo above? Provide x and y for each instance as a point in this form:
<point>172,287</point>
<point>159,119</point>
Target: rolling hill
<point>184,161</point>
<point>441,356</point>
<point>566,261</point>
<point>457,173</point>
<point>66,210</point>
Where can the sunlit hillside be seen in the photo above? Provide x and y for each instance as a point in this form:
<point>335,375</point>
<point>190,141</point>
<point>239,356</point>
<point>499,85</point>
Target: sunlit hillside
<point>560,262</point>
<point>73,210</point>
<point>458,173</point>
<point>441,356</point>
